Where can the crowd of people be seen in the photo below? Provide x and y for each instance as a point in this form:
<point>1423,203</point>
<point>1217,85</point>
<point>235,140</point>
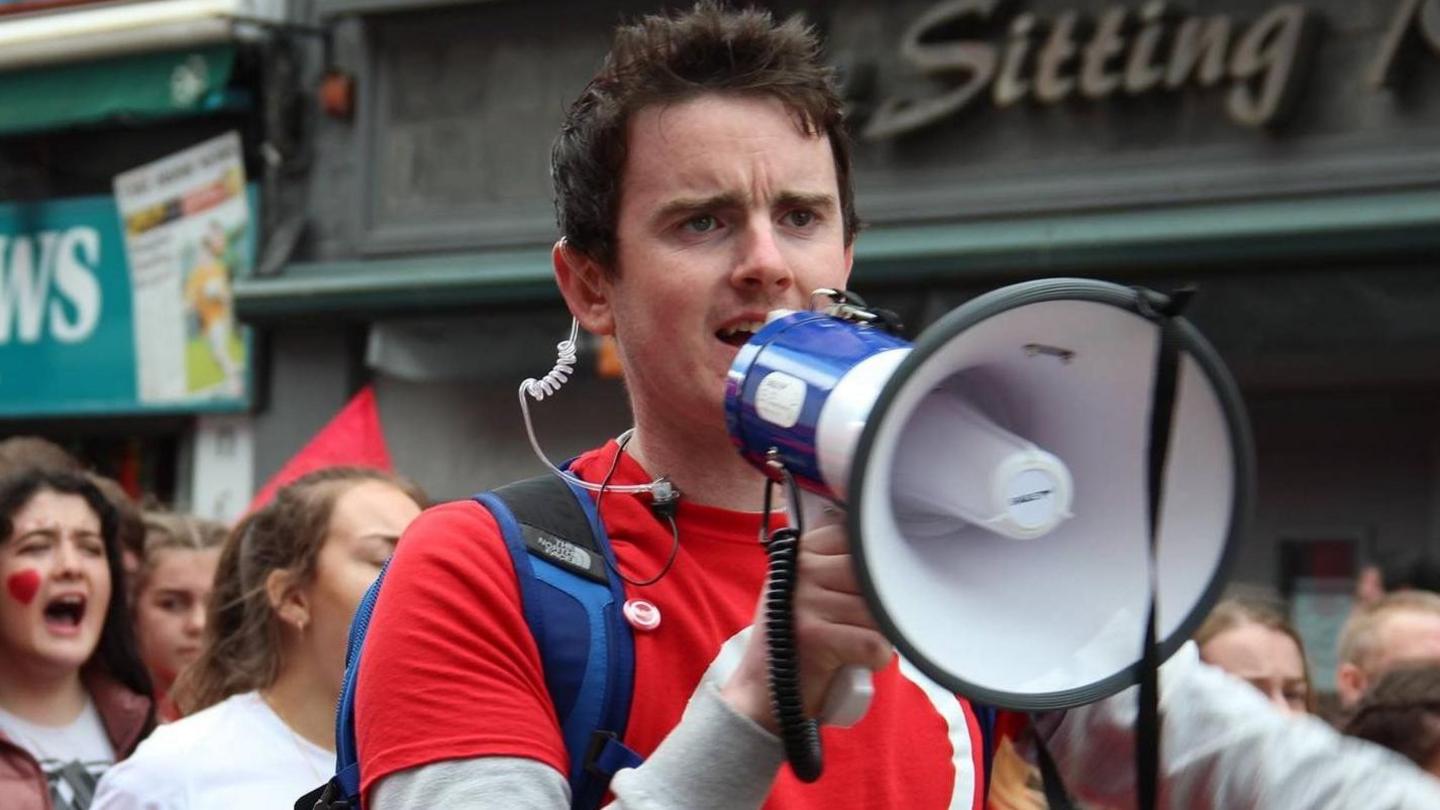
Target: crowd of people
<point>155,661</point>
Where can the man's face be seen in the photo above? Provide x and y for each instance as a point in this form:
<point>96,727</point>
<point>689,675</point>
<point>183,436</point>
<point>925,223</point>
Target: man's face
<point>727,211</point>
<point>215,243</point>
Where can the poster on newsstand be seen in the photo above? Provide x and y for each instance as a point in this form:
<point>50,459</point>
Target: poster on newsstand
<point>187,227</point>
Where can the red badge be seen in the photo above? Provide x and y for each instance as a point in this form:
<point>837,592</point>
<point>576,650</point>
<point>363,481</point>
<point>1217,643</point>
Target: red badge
<point>23,585</point>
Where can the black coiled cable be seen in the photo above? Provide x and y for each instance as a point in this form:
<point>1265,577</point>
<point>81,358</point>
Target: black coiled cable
<point>799,733</point>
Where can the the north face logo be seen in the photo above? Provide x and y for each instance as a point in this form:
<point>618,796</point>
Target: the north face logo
<point>564,552</point>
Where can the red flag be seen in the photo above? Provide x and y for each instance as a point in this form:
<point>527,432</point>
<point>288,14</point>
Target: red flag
<point>352,437</point>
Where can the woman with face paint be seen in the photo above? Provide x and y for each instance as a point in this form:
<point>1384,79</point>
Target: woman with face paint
<point>173,581</point>
<point>260,701</point>
<point>74,696</point>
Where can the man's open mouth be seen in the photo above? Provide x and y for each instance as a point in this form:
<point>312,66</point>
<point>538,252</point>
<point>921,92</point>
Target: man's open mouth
<point>65,611</point>
<point>738,334</point>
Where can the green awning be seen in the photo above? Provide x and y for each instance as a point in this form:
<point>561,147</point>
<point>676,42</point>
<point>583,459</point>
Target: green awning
<point>1219,235</point>
<point>141,86</point>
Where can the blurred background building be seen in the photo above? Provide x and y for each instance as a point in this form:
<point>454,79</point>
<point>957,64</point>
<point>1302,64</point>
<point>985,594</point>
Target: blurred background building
<point>1284,156</point>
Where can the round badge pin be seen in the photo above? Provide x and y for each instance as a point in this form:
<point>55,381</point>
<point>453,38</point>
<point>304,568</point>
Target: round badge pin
<point>641,614</point>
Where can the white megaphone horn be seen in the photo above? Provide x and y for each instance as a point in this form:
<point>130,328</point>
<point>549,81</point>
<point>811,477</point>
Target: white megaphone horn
<point>994,478</point>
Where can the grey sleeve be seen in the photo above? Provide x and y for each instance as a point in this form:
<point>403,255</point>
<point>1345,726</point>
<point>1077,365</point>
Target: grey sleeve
<point>510,782</point>
<point>1223,746</point>
<point>713,760</point>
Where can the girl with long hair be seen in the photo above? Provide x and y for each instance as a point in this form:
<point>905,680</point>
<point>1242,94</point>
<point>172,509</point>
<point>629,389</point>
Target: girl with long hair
<point>74,695</point>
<point>1253,641</point>
<point>260,700</point>
<point>173,581</point>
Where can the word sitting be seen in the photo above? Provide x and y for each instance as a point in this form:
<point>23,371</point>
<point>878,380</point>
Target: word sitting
<point>1120,52</point>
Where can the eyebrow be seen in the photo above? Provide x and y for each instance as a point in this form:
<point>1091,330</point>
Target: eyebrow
<point>732,200</point>
<point>800,199</point>
<point>695,205</point>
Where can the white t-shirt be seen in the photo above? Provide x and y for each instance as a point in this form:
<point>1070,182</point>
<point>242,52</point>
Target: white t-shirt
<point>72,756</point>
<point>237,753</point>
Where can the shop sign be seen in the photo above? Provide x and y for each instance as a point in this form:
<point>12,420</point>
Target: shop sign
<point>1255,62</point>
<point>68,318</point>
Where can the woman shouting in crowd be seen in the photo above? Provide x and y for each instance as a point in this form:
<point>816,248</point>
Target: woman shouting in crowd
<point>74,696</point>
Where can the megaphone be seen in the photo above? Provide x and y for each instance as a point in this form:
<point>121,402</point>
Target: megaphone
<point>994,479</point>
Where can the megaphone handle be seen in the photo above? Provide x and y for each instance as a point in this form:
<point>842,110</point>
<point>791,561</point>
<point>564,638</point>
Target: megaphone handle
<point>853,688</point>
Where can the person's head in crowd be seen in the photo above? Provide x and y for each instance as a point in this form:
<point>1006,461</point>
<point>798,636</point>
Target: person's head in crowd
<point>172,595</point>
<point>21,453</point>
<point>1402,712</point>
<point>289,578</point>
<point>1411,571</point>
<point>66,642</point>
<point>655,266</point>
<point>1369,585</point>
<point>1252,640</point>
<point>130,521</point>
<point>596,141</point>
<point>1408,570</point>
<point>1401,627</point>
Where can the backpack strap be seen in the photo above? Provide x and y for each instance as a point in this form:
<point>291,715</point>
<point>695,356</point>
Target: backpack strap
<point>572,603</point>
<point>986,717</point>
<point>342,792</point>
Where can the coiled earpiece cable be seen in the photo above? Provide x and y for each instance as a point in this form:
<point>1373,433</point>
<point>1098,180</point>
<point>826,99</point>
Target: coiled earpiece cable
<point>664,496</point>
<point>530,388</point>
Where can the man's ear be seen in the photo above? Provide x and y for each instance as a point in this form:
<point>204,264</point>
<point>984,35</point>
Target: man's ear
<point>1350,684</point>
<point>586,288</point>
<point>849,263</point>
<point>287,599</point>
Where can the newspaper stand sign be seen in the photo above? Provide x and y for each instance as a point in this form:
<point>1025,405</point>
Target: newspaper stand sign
<point>121,305</point>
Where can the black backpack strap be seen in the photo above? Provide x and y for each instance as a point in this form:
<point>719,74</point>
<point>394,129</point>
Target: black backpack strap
<point>555,524</point>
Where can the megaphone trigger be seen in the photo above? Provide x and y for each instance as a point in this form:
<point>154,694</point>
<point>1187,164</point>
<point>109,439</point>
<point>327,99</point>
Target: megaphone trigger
<point>849,697</point>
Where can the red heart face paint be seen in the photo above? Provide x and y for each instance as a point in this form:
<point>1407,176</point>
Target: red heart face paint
<point>23,585</point>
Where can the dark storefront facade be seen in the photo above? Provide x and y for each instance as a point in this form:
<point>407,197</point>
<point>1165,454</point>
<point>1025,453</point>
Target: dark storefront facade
<point>1283,156</point>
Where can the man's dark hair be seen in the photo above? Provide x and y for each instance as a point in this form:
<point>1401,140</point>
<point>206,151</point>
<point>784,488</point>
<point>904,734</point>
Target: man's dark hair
<point>670,59</point>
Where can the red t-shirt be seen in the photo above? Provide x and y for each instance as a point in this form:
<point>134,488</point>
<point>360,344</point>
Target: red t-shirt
<point>451,671</point>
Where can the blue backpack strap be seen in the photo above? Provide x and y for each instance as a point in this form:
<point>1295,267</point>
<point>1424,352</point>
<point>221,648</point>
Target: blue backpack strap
<point>572,603</point>
<point>986,718</point>
<point>342,792</point>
